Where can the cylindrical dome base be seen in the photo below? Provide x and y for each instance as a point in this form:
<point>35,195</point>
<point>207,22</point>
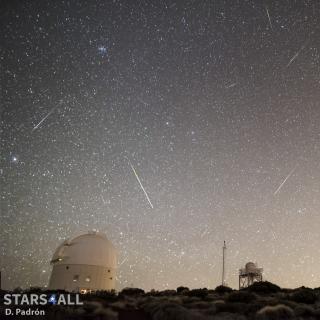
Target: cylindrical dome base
<point>83,264</point>
<point>82,278</point>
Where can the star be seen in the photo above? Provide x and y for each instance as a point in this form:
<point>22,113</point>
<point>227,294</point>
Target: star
<point>14,159</point>
<point>102,50</point>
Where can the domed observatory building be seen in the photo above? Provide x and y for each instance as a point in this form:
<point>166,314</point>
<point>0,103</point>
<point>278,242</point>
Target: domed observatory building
<point>249,274</point>
<point>83,264</point>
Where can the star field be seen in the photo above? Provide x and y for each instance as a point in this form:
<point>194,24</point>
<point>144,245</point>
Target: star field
<point>216,106</point>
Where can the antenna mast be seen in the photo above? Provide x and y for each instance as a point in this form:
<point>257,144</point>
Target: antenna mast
<point>224,248</point>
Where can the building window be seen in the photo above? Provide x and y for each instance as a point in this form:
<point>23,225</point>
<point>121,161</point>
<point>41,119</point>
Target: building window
<point>67,267</point>
<point>88,279</point>
<point>75,278</point>
<point>84,291</point>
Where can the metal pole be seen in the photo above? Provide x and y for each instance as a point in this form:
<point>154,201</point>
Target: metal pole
<point>223,262</point>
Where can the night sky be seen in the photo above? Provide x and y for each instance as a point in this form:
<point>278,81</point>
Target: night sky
<point>214,106</point>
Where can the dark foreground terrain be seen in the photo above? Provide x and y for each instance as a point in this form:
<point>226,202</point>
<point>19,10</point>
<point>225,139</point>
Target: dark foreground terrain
<point>260,301</point>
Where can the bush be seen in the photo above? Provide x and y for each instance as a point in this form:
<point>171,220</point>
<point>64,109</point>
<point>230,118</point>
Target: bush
<point>232,307</point>
<point>172,311</point>
<point>253,308</point>
<point>200,293</point>
<point>152,293</point>
<point>304,295</point>
<point>182,290</point>
<point>90,306</point>
<point>59,291</point>
<point>304,311</point>
<point>241,296</point>
<point>105,295</point>
<point>128,314</point>
<point>222,289</point>
<point>37,290</point>
<point>278,312</point>
<point>264,287</point>
<point>131,292</point>
<point>168,293</point>
<point>200,305</point>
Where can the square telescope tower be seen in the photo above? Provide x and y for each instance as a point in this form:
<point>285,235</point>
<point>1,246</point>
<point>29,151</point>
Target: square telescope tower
<point>249,274</point>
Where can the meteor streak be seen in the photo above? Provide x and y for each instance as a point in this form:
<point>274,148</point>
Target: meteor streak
<point>43,119</point>
<point>297,53</point>
<point>231,85</point>
<point>123,261</point>
<point>269,17</point>
<point>285,180</point>
<point>143,189</point>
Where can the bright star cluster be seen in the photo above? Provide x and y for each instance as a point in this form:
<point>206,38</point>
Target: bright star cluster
<point>171,126</point>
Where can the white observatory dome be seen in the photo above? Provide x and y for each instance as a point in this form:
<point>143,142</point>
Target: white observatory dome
<point>84,263</point>
<point>250,266</point>
<point>249,274</point>
<point>91,249</point>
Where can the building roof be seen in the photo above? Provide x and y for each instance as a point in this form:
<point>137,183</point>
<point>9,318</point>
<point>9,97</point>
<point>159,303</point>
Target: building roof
<point>87,249</point>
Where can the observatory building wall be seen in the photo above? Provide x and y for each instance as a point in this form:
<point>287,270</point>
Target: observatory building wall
<point>85,263</point>
<point>82,277</point>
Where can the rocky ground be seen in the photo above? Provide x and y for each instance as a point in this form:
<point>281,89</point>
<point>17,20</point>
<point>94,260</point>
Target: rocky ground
<point>261,301</point>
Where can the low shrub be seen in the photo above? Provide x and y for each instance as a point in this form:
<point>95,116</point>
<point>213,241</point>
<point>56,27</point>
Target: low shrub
<point>131,292</point>
<point>222,289</point>
<point>278,312</point>
<point>37,290</point>
<point>104,294</point>
<point>263,287</point>
<point>199,305</point>
<point>182,290</point>
<point>241,296</point>
<point>167,293</point>
<point>200,293</point>
<point>304,295</point>
<point>304,311</point>
<point>232,307</point>
<point>169,311</point>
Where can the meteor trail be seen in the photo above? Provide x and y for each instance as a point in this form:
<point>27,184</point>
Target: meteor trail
<point>143,189</point>
<point>123,261</point>
<point>269,17</point>
<point>297,54</point>
<point>231,85</point>
<point>285,180</point>
<point>43,119</point>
